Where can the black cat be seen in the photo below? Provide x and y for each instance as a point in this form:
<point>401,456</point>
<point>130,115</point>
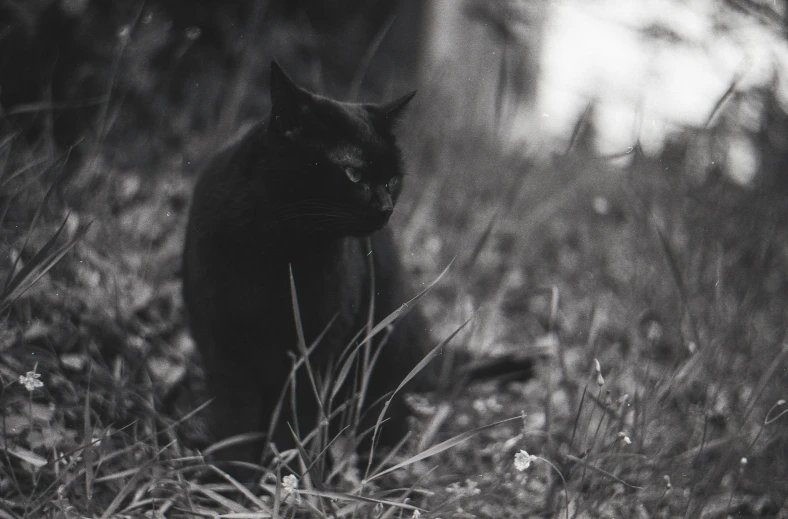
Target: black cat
<point>302,189</point>
<point>309,189</point>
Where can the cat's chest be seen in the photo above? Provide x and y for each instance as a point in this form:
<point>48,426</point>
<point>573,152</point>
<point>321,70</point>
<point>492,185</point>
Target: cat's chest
<point>333,282</point>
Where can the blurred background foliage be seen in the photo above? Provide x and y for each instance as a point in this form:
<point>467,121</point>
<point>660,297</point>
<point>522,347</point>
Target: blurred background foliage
<point>152,75</point>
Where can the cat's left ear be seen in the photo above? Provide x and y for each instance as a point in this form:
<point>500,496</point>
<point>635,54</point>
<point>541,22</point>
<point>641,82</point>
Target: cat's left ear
<point>393,110</point>
<point>287,101</point>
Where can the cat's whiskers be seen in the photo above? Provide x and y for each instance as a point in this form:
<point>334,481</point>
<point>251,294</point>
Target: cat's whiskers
<point>292,208</point>
<point>313,211</point>
<point>313,215</point>
<point>298,207</point>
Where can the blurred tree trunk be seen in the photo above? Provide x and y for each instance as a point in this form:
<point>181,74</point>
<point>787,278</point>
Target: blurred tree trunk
<point>484,56</point>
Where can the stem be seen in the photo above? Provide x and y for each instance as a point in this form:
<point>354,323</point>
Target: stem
<point>566,492</point>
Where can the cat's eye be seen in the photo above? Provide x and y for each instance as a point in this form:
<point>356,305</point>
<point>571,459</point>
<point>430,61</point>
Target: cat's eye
<point>392,183</point>
<point>353,174</point>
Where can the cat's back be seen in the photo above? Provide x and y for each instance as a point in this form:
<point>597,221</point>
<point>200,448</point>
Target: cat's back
<point>218,264</point>
<point>222,193</point>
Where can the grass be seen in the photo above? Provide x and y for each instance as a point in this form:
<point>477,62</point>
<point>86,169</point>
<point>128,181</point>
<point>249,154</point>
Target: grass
<point>654,305</point>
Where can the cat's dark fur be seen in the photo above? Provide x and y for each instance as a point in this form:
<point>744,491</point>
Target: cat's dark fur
<point>309,189</point>
<point>303,189</point>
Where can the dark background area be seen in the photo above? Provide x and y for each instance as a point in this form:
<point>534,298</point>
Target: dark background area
<point>148,74</point>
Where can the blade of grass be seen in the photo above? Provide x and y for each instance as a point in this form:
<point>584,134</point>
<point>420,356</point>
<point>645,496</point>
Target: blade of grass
<point>88,452</point>
<point>26,455</point>
<point>21,171</point>
<point>287,389</point>
<point>327,494</point>
<point>13,281</point>
<point>38,267</point>
<point>61,160</point>
<point>437,449</point>
<point>142,439</point>
<point>302,345</point>
<point>366,351</point>
<point>239,439</point>
<point>347,365</point>
<point>37,507</point>
<point>49,106</point>
<point>307,460</point>
<point>39,208</point>
<point>324,451</point>
<point>366,59</point>
<point>245,515</point>
<point>405,308</point>
<point>763,381</point>
<point>311,469</point>
<point>602,472</point>
<point>392,453</point>
<point>580,127</point>
<point>9,139</point>
<point>218,498</point>
<point>259,503</point>
<point>483,239</point>
<point>274,420</point>
<point>721,101</point>
<point>415,371</point>
<point>131,485</point>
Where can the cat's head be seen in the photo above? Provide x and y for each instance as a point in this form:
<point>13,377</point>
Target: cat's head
<point>346,168</point>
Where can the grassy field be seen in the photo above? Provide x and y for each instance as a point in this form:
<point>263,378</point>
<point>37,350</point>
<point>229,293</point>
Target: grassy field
<point>655,305</point>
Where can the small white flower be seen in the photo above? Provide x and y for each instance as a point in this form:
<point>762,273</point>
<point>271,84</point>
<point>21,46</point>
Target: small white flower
<point>416,514</point>
<point>193,32</point>
<point>667,481</point>
<point>624,438</point>
<point>781,402</point>
<point>124,31</point>
<point>600,380</point>
<point>743,462</point>
<point>601,205</point>
<point>523,460</point>
<point>654,332</point>
<point>290,483</point>
<point>482,405</point>
<point>290,488</point>
<point>30,380</point>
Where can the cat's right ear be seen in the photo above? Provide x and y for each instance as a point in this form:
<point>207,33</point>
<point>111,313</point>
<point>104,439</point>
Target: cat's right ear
<point>287,101</point>
<point>392,111</point>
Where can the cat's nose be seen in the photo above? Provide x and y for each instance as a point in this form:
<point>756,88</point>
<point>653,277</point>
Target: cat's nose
<point>385,203</point>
